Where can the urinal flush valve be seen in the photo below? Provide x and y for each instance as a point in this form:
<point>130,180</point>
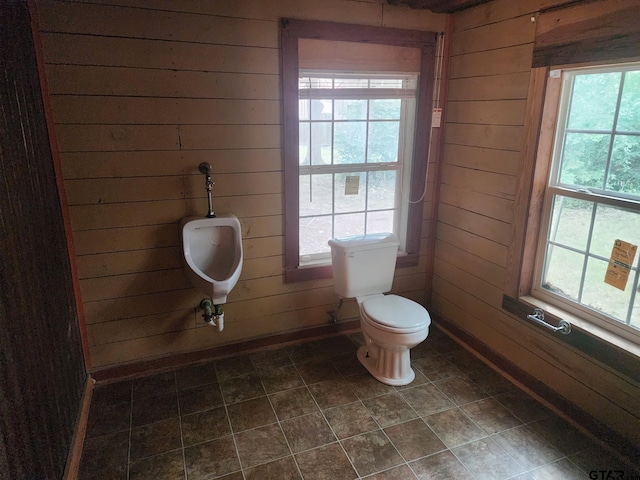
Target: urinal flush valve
<point>205,168</point>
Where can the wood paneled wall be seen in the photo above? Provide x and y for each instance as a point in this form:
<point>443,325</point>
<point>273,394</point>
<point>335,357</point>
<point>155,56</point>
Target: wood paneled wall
<point>145,90</point>
<point>491,59</point>
<point>42,371</point>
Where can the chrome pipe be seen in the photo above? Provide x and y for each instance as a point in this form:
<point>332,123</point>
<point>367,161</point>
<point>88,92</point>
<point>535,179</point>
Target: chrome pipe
<point>205,169</point>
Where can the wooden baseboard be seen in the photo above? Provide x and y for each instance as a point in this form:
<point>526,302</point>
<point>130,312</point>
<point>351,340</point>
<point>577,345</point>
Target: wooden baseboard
<point>590,426</point>
<point>133,370</point>
<point>75,451</point>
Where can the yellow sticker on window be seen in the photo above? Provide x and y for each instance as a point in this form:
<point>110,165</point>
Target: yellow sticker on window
<point>352,185</point>
<point>620,264</point>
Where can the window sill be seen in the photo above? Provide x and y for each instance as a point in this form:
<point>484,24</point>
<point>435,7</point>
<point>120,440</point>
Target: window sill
<point>612,350</point>
<point>317,272</point>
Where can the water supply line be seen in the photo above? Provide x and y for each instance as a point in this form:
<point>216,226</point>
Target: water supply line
<point>205,168</point>
<point>333,314</point>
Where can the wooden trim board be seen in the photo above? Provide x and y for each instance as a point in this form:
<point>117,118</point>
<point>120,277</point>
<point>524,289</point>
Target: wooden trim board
<point>57,167</point>
<point>139,369</point>
<point>77,444</point>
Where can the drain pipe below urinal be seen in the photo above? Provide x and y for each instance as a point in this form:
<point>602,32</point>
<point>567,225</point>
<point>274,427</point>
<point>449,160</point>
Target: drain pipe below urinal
<point>212,314</point>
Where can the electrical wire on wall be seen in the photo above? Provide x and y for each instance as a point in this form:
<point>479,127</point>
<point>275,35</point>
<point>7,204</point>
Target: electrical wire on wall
<point>437,109</point>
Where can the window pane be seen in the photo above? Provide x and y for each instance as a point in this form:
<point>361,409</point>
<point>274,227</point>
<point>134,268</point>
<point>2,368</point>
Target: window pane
<point>613,224</point>
<point>303,109</point>
<point>383,142</point>
<point>315,194</point>
<point>601,296</point>
<point>350,142</point>
<point>381,222</point>
<point>570,221</point>
<point>593,102</point>
<point>563,272</point>
<point>315,232</point>
<point>350,202</point>
<point>350,109</point>
<point>321,143</point>
<point>385,109</point>
<point>351,82</point>
<point>382,190</point>
<point>635,314</point>
<point>348,225</point>
<point>584,159</point>
<point>314,82</point>
<point>321,109</point>
<point>304,130</point>
<point>624,171</point>
<point>629,116</point>
<point>389,83</point>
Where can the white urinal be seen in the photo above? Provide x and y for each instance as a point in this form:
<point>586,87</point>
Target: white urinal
<point>212,251</point>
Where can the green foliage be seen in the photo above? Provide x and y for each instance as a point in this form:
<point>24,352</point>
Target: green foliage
<point>624,172</point>
<point>593,112</point>
<point>351,137</point>
<point>584,159</point>
<point>629,118</point>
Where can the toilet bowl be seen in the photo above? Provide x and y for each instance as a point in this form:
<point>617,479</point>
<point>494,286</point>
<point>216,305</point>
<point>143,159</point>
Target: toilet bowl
<point>363,268</point>
<point>391,326</point>
<point>212,254</point>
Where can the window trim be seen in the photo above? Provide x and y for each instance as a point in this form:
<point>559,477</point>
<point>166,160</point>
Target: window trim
<point>555,189</point>
<point>293,29</point>
<point>541,114</point>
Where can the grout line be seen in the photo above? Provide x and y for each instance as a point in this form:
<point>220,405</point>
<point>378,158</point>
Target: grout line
<point>226,411</point>
<point>338,440</point>
<point>184,458</point>
<point>130,430</point>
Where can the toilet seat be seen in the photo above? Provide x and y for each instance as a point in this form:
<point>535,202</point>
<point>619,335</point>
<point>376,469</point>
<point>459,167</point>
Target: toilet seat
<point>393,313</point>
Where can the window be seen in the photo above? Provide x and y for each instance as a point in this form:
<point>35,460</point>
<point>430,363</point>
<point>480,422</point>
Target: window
<point>356,143</point>
<point>587,259</point>
<point>353,96</point>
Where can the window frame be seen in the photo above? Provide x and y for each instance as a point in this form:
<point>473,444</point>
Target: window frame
<point>555,189</point>
<point>290,32</point>
<point>609,345</point>
<point>402,165</point>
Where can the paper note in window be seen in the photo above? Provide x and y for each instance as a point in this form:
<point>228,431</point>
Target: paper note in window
<point>352,185</point>
<point>620,264</point>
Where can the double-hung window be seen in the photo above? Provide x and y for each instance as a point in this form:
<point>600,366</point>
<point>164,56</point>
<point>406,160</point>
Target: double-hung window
<point>587,257</point>
<point>355,153</point>
<point>357,106</point>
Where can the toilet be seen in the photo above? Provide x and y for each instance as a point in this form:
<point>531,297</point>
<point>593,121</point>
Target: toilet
<point>212,253</point>
<point>363,268</point>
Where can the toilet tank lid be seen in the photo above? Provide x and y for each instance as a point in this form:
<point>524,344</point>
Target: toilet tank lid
<point>364,242</point>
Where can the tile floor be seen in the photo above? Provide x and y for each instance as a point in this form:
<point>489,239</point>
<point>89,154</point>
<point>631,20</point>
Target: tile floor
<point>311,411</point>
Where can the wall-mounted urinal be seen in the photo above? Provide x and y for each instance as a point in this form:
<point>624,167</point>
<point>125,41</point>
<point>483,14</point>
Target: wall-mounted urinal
<point>212,252</point>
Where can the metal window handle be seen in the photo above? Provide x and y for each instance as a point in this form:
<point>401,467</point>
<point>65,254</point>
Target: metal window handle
<point>563,327</point>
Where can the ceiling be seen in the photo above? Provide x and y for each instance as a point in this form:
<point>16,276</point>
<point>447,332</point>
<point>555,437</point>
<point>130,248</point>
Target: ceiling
<point>439,6</point>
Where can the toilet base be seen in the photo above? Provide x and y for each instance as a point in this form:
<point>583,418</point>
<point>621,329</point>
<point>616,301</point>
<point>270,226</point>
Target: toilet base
<point>391,367</point>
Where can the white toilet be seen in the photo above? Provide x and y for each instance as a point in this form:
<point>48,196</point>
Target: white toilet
<point>363,268</point>
<point>212,250</point>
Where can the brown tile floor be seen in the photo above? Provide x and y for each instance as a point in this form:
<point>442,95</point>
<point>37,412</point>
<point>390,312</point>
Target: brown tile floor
<point>311,411</point>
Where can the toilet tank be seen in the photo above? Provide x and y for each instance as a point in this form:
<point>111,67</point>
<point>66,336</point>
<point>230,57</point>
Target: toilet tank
<point>363,265</point>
